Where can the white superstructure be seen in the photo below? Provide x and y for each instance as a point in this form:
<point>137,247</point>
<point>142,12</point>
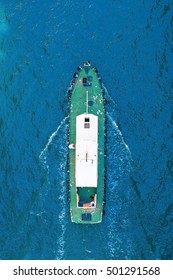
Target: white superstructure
<point>86,171</point>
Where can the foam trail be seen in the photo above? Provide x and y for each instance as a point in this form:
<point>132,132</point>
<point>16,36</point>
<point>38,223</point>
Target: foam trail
<point>119,133</point>
<point>55,161</point>
<point>113,109</point>
<point>108,96</point>
<point>61,179</point>
<point>51,138</point>
<point>62,218</point>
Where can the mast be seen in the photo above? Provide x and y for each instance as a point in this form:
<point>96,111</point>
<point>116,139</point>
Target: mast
<point>87,101</point>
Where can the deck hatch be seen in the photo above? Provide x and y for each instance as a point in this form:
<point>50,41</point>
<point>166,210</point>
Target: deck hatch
<point>86,217</point>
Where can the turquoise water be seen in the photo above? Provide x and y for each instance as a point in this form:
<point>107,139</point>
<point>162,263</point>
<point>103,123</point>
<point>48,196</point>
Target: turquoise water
<point>41,44</point>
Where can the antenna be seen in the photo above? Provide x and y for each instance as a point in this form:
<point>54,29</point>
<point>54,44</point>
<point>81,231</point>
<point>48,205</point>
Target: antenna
<point>87,101</point>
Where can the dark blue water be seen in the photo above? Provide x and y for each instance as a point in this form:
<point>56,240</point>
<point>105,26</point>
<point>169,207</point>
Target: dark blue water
<point>41,44</point>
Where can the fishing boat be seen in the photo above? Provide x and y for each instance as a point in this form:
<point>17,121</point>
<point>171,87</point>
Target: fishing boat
<point>86,146</point>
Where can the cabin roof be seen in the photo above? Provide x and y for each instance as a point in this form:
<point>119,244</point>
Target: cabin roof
<point>86,150</point>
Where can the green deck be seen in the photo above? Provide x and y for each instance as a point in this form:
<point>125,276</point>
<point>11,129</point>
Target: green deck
<point>77,107</point>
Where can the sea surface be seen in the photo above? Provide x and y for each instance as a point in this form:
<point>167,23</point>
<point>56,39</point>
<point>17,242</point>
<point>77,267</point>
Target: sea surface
<point>41,45</point>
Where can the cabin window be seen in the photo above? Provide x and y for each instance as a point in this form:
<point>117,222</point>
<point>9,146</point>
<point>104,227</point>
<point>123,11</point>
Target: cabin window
<point>86,125</point>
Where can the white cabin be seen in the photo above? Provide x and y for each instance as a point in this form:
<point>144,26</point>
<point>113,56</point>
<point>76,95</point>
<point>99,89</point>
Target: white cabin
<point>86,171</point>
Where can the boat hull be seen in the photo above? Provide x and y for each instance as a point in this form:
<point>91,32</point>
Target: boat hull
<point>86,82</point>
